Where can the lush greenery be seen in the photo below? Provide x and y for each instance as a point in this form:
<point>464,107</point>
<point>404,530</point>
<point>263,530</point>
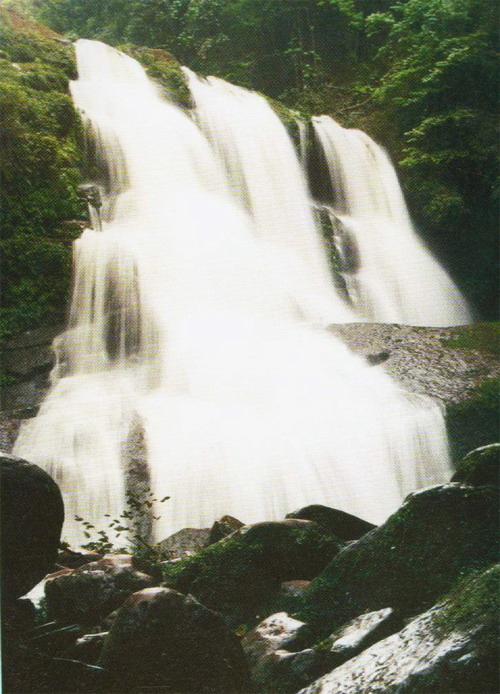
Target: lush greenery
<point>40,171</point>
<point>474,421</point>
<point>418,75</point>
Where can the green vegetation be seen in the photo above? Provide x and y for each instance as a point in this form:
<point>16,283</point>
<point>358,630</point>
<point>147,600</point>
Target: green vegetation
<point>481,337</point>
<point>240,576</point>
<point>40,170</point>
<point>436,539</point>
<point>419,75</point>
<point>474,422</point>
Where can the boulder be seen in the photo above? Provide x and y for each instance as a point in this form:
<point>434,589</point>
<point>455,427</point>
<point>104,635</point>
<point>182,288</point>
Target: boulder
<point>339,523</point>
<point>183,543</point>
<point>480,467</point>
<point>87,648</point>
<point>450,649</point>
<point>162,639</point>
<point>222,528</point>
<point>240,576</point>
<point>70,559</point>
<point>271,634</point>
<point>272,667</point>
<point>32,514</point>
<point>87,594</point>
<point>360,633</point>
<point>440,534</point>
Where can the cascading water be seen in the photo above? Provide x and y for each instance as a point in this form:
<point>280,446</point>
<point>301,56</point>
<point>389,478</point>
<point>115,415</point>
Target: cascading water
<point>266,179</point>
<point>182,320</point>
<point>395,278</point>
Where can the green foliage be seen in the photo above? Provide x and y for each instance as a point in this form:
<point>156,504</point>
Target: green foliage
<point>481,337</point>
<point>474,422</point>
<point>126,528</point>
<point>40,172</point>
<point>421,76</point>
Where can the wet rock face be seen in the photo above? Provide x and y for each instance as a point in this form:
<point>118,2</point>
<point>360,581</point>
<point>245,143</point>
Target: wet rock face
<point>163,639</point>
<point>240,576</point>
<point>339,523</point>
<point>480,467</point>
<point>270,635</point>
<point>87,594</point>
<point>438,536</point>
<point>451,649</point>
<point>272,667</point>
<point>32,514</point>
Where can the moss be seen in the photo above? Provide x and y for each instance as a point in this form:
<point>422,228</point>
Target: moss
<point>474,422</point>
<point>472,602</point>
<point>240,576</point>
<point>481,337</point>
<point>41,168</point>
<point>480,467</point>
<point>165,69</point>
<point>438,537</point>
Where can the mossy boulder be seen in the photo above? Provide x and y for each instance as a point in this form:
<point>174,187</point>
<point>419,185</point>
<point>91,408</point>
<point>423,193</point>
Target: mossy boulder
<point>436,538</point>
<point>473,422</point>
<point>451,649</point>
<point>480,467</point>
<point>339,523</point>
<point>91,592</point>
<point>240,576</point>
<point>164,641</point>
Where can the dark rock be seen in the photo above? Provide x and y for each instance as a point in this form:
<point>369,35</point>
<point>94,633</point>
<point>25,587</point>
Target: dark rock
<point>27,672</point>
<point>184,543</point>
<point>72,560</point>
<point>451,649</point>
<point>87,648</point>
<point>480,467</point>
<point>240,575</point>
<point>51,639</point>
<point>87,594</point>
<point>162,639</point>
<point>91,194</point>
<point>377,358</point>
<point>438,535</point>
<point>32,514</point>
<point>222,528</point>
<point>294,589</point>
<point>339,523</point>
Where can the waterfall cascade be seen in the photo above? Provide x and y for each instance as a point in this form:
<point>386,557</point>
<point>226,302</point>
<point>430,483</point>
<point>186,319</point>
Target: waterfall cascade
<point>195,313</point>
<point>394,278</point>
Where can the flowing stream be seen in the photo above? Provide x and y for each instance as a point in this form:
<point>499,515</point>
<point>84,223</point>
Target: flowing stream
<point>197,327</point>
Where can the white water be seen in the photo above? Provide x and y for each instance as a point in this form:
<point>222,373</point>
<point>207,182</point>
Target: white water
<point>182,318</point>
<point>266,179</point>
<point>398,280</point>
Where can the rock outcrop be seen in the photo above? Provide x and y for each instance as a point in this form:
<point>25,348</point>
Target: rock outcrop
<point>89,593</point>
<point>32,514</point>
<point>450,649</point>
<point>240,576</point>
<point>439,535</point>
<point>163,640</point>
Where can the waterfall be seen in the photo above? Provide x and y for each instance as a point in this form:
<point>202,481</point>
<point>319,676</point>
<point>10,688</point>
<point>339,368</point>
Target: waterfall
<point>186,324</point>
<point>266,179</point>
<point>395,279</point>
